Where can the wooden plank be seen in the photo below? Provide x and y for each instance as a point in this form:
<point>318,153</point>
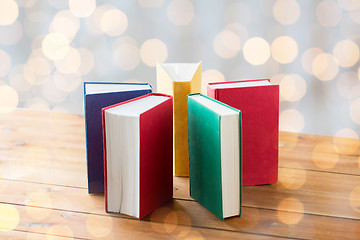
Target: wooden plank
<point>21,235</point>
<point>321,153</point>
<point>92,226</point>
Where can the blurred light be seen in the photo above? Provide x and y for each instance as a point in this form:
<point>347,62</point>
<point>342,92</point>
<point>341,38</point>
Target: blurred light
<point>93,23</point>
<point>276,79</point>
<point>55,231</point>
<point>37,103</point>
<point>12,34</point>
<point>180,12</point>
<point>113,22</point>
<point>284,49</point>
<point>9,99</point>
<point>65,23</point>
<point>127,56</point>
<point>292,88</point>
<point>87,61</point>
<point>70,63</point>
<point>349,5</point>
<point>325,67</point>
<point>237,12</point>
<point>99,226</point>
<point>9,217</point>
<point>82,8</point>
<point>39,66</point>
<point>150,3</point>
<point>355,111</point>
<point>291,120</point>
<point>26,3</point>
<point>348,85</point>
<point>308,57</point>
<point>17,79</point>
<point>328,13</point>
<point>355,16</point>
<point>38,203</point>
<point>210,76</point>
<point>5,65</point>
<point>346,52</point>
<point>290,211</point>
<point>52,93</point>
<point>67,82</point>
<point>227,44</point>
<point>346,141</point>
<point>239,30</point>
<point>354,199</point>
<point>55,46</point>
<point>153,51</point>
<point>292,175</point>
<point>9,12</point>
<point>256,51</point>
<point>325,155</point>
<point>59,4</point>
<point>286,12</point>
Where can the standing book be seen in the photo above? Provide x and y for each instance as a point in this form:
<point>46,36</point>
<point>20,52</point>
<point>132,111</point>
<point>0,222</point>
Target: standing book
<point>215,155</point>
<point>138,154</point>
<point>96,96</point>
<point>258,101</point>
<point>179,80</point>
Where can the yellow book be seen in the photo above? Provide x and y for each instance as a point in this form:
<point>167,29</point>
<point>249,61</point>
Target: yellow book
<point>179,80</point>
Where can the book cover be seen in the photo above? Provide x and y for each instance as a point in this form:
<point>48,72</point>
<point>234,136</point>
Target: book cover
<point>258,100</point>
<point>96,96</point>
<point>215,155</point>
<point>179,80</point>
<point>138,154</point>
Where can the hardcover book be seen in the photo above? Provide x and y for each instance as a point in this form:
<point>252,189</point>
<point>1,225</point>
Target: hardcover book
<point>96,96</point>
<point>258,101</point>
<point>138,154</point>
<point>215,155</point>
<point>179,80</point>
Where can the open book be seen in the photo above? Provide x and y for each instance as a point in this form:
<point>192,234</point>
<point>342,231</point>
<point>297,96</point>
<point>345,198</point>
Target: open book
<point>215,155</point>
<point>138,154</point>
<point>179,80</point>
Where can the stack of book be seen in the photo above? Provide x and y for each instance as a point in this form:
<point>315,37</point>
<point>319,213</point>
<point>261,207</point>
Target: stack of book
<point>222,141</point>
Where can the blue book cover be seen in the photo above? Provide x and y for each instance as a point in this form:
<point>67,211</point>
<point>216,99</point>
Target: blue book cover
<point>98,95</point>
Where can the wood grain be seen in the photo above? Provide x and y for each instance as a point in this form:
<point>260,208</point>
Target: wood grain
<point>43,177</point>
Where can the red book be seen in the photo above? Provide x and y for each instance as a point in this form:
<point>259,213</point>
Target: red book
<point>138,154</point>
<point>258,101</point>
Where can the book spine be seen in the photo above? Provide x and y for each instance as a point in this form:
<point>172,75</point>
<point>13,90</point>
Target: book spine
<point>105,163</point>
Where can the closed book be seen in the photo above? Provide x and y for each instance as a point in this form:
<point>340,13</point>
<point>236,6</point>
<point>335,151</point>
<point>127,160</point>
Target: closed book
<point>96,96</point>
<point>258,101</point>
<point>179,80</point>
<point>138,154</point>
<point>215,155</point>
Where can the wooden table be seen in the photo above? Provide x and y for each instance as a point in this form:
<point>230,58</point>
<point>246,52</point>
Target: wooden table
<point>43,192</point>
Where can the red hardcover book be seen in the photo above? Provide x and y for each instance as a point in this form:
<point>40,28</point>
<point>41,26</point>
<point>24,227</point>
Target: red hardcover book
<point>138,154</point>
<point>258,101</point>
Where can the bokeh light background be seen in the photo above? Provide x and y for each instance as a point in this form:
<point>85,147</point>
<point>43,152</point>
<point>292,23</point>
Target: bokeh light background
<point>310,48</point>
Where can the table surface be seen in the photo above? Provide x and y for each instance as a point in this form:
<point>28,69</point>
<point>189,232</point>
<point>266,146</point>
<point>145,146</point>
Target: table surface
<point>43,190</point>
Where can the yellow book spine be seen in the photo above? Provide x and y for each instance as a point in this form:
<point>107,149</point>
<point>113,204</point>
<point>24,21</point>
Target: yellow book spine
<point>181,90</point>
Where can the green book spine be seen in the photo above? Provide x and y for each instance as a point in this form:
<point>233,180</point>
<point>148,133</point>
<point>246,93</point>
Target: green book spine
<point>204,157</point>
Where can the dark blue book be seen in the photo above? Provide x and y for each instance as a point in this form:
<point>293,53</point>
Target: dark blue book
<point>98,95</point>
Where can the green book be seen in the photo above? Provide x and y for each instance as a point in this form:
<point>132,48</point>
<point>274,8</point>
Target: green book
<point>215,156</point>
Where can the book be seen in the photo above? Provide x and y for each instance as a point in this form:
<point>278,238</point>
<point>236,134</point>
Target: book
<point>96,96</point>
<point>179,80</point>
<point>138,154</point>
<point>215,155</point>
<point>258,101</point>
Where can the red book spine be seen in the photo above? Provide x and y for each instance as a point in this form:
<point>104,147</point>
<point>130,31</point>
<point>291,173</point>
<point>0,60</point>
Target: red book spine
<point>156,157</point>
